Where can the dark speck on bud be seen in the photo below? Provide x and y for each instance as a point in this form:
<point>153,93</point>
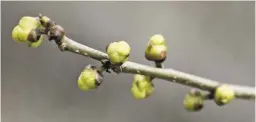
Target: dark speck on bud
<point>34,35</point>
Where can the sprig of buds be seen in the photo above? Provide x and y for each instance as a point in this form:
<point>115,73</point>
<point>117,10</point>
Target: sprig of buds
<point>30,30</point>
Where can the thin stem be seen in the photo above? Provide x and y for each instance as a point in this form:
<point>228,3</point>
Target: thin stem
<point>242,92</point>
<point>159,65</point>
<point>205,94</point>
<point>78,48</point>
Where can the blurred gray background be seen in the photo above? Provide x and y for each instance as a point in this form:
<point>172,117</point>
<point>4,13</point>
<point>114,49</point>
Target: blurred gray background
<point>209,39</point>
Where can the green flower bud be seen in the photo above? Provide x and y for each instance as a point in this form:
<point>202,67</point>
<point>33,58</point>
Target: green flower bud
<point>137,93</point>
<point>193,102</point>
<point>156,49</point>
<point>156,53</point>
<point>223,95</point>
<point>18,33</point>
<point>89,78</point>
<point>26,32</point>
<point>157,39</point>
<point>142,87</point>
<point>27,23</point>
<point>118,52</point>
<point>46,21</point>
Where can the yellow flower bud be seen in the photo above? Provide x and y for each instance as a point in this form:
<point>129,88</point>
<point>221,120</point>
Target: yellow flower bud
<point>193,102</point>
<point>223,94</point>
<point>156,49</point>
<point>16,32</point>
<point>156,53</point>
<point>137,93</point>
<point>142,87</point>
<point>118,52</point>
<point>89,78</point>
<point>28,23</point>
<point>157,39</point>
<point>20,35</point>
<point>25,31</point>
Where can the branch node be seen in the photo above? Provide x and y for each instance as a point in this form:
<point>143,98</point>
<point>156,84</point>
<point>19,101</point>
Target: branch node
<point>56,33</point>
<point>159,65</point>
<point>117,69</point>
<point>63,47</point>
<point>106,63</point>
<point>206,95</point>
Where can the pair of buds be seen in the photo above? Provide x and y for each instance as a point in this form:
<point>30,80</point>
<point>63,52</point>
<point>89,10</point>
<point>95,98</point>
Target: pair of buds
<point>156,50</point>
<point>27,31</point>
<point>30,30</point>
<point>194,100</point>
<point>90,78</point>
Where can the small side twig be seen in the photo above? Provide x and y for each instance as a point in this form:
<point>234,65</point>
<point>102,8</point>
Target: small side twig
<point>159,65</point>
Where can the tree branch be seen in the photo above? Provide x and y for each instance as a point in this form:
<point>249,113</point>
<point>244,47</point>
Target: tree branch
<point>57,33</point>
<point>241,92</point>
